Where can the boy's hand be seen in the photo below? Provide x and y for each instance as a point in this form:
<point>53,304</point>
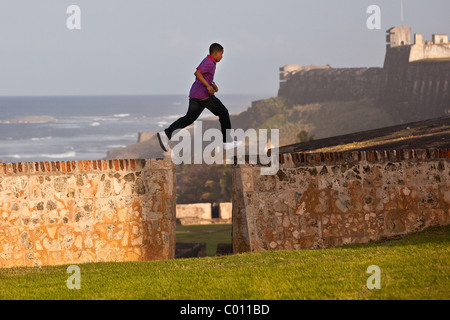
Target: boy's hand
<point>215,87</point>
<point>211,90</point>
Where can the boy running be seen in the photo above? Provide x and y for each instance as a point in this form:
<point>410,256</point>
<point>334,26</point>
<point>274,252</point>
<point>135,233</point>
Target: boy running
<point>202,96</point>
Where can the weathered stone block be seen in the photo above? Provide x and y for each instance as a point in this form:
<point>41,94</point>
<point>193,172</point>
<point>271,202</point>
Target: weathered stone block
<point>84,256</point>
<point>14,187</point>
<point>105,210</point>
<point>374,225</point>
<point>428,197</point>
<point>309,225</point>
<point>263,183</point>
<point>87,185</point>
<point>435,217</point>
<point>353,224</point>
<point>396,222</point>
<point>332,225</point>
<point>33,258</point>
<point>60,257</point>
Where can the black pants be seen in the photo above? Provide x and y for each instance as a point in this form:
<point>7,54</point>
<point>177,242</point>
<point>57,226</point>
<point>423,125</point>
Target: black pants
<point>196,107</point>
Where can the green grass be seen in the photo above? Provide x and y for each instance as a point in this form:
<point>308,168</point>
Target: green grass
<point>328,119</point>
<point>397,136</point>
<point>211,234</point>
<point>414,267</point>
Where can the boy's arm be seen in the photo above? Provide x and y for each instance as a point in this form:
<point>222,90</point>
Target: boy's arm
<point>200,77</point>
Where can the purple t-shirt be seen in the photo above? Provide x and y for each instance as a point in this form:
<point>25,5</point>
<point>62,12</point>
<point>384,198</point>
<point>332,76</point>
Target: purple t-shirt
<point>207,67</point>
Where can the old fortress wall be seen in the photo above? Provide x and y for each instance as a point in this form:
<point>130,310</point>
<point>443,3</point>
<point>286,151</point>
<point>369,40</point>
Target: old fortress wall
<point>319,200</point>
<point>124,210</point>
<point>86,211</point>
<point>414,79</point>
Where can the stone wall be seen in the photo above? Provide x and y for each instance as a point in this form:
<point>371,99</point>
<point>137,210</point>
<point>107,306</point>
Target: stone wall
<point>201,213</point>
<point>421,88</point>
<point>332,84</point>
<point>331,199</point>
<point>429,51</point>
<point>226,210</point>
<point>193,213</point>
<point>86,211</point>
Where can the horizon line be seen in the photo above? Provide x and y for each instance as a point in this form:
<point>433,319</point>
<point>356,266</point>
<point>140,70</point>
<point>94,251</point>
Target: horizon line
<point>114,95</point>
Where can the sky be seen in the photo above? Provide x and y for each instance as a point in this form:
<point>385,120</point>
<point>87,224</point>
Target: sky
<point>127,47</point>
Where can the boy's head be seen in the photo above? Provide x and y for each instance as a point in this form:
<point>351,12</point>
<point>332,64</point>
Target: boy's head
<point>216,51</point>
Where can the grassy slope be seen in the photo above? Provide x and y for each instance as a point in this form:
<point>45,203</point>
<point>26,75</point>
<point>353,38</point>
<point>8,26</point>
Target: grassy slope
<point>328,119</point>
<point>399,136</point>
<point>414,267</point>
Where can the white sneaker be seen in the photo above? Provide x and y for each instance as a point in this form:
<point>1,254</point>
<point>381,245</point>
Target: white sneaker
<point>231,145</point>
<point>163,140</point>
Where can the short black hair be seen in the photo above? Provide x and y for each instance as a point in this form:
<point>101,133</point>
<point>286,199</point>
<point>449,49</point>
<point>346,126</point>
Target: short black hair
<point>214,48</point>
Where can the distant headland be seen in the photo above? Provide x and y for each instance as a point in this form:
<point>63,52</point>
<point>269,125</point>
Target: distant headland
<point>35,119</point>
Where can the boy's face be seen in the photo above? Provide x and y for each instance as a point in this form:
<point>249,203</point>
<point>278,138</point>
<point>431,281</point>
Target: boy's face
<point>218,55</point>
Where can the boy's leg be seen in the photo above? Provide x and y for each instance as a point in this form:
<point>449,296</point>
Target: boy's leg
<point>214,105</point>
<point>194,111</point>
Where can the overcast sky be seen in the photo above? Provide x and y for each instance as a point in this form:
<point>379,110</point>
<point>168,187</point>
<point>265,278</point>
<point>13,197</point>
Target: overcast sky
<point>154,46</point>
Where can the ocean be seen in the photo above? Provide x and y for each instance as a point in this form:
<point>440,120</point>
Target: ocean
<point>61,128</point>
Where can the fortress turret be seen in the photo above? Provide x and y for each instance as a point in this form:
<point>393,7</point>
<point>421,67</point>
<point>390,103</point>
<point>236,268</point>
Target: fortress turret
<point>400,49</point>
<point>398,36</point>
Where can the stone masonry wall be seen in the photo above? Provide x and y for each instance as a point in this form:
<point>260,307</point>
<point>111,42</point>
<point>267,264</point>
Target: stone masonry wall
<point>194,213</point>
<point>331,199</point>
<point>201,213</point>
<point>333,84</point>
<point>70,212</point>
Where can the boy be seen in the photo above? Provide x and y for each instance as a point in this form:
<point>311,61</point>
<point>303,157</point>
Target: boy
<point>202,96</point>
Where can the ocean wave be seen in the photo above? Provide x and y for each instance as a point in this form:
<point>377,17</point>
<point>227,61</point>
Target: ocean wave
<point>122,115</point>
<point>41,138</point>
<point>16,156</point>
<point>65,126</point>
<point>70,154</point>
<point>95,124</point>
